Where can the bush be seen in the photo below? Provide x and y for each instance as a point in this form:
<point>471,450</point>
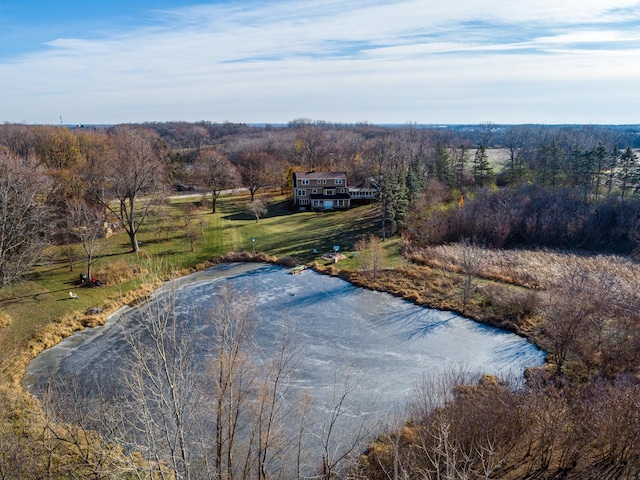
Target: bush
<point>287,261</point>
<point>119,272</point>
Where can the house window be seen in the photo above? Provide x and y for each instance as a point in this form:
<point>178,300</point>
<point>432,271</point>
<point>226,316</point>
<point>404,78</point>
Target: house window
<point>302,192</point>
<point>315,190</point>
<point>304,182</point>
<point>329,191</point>
<point>338,181</point>
<point>304,201</point>
<point>323,181</point>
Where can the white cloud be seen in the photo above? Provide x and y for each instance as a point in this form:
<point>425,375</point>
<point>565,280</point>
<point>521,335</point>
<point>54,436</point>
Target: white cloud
<point>368,60</point>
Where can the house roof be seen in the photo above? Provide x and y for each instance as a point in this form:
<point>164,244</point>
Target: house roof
<point>367,184</point>
<point>320,175</point>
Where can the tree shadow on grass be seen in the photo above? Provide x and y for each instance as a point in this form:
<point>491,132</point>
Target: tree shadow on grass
<point>309,249</point>
<point>240,216</point>
<point>17,298</point>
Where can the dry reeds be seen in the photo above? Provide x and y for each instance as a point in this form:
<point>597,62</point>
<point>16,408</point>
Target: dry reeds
<point>119,272</point>
<point>245,257</point>
<point>287,261</point>
<point>540,269</point>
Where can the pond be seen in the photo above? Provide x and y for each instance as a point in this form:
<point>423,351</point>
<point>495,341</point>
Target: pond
<point>386,343</point>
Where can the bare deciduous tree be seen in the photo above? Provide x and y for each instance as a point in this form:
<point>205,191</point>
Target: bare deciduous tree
<point>343,431</point>
<point>18,139</point>
<point>23,218</point>
<point>87,222</point>
<point>254,171</point>
<point>132,178</point>
<point>371,254</point>
<point>258,208</point>
<point>161,389</point>
<point>568,311</point>
<point>215,172</point>
<point>310,141</point>
<point>472,261</point>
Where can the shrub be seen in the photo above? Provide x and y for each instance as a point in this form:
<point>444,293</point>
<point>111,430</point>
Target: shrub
<point>119,272</point>
<point>287,261</point>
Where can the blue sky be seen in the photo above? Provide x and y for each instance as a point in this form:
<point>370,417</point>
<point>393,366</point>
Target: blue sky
<point>378,61</point>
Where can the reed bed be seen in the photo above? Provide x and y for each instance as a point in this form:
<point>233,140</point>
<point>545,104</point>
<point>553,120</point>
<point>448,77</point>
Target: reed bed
<point>537,269</point>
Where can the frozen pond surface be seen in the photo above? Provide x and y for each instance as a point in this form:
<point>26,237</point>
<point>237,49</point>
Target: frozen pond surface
<point>389,343</point>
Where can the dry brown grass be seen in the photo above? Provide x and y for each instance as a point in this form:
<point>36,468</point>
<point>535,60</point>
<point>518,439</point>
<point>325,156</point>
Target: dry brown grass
<point>5,320</point>
<point>440,285</point>
<point>539,269</point>
<point>245,257</point>
<point>120,272</point>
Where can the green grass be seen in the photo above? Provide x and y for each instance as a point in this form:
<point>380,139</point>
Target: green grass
<point>44,296</point>
<point>298,234</point>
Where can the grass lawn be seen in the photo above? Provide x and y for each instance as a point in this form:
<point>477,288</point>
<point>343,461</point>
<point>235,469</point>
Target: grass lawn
<point>44,296</point>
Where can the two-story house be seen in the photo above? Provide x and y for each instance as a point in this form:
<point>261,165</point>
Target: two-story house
<point>320,190</point>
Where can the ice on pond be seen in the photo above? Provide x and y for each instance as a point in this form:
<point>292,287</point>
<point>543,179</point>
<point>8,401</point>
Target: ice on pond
<point>389,344</point>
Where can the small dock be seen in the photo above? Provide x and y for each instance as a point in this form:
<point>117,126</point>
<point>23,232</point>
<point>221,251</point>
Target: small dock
<point>298,269</point>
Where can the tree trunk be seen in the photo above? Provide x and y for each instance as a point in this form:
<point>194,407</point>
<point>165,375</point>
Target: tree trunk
<point>133,241</point>
<point>214,198</point>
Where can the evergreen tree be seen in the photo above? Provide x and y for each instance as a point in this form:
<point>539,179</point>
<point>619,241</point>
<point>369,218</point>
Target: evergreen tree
<point>551,163</point>
<point>459,165</point>
<point>599,155</point>
<point>415,181</point>
<point>442,167</point>
<point>481,168</point>
<point>581,171</point>
<point>395,203</point>
<point>628,172</point>
<point>614,158</point>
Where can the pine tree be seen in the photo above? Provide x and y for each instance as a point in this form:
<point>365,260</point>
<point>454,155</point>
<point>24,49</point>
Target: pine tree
<point>395,203</point>
<point>599,154</point>
<point>628,172</point>
<point>442,167</point>
<point>481,168</point>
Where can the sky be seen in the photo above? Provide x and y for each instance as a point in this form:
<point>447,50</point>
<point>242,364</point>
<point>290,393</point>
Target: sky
<point>345,61</point>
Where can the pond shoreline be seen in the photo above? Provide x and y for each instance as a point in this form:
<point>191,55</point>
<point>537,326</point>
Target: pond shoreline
<point>388,281</point>
<point>365,332</point>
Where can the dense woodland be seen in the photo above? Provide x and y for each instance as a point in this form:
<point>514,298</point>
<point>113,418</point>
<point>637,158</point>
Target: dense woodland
<point>485,188</point>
